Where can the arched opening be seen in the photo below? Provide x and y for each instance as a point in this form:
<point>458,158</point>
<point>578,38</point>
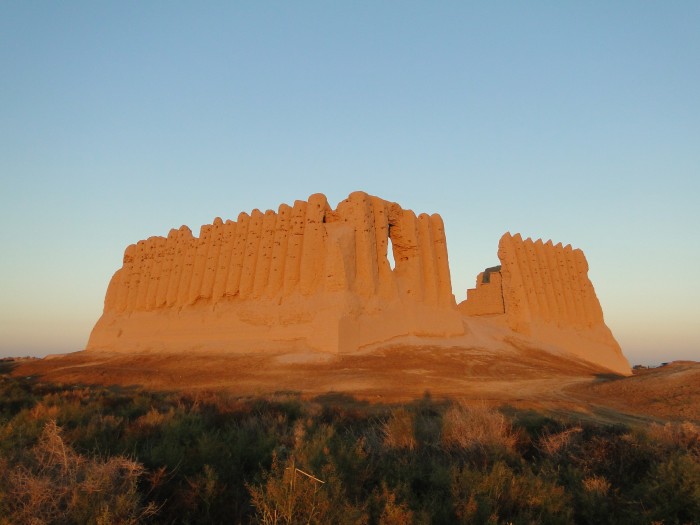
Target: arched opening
<point>390,254</point>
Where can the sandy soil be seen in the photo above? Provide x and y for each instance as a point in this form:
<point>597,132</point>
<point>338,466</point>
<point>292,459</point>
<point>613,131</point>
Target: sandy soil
<point>526,378</point>
<point>668,392</point>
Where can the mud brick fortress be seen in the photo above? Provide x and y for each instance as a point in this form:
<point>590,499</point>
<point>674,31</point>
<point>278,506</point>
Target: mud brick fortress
<point>311,278</point>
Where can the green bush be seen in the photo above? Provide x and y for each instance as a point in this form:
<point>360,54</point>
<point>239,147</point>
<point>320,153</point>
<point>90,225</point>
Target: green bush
<point>502,495</point>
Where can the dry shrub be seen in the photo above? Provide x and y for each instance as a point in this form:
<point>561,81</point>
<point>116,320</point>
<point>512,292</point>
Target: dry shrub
<point>394,513</point>
<point>685,435</point>
<point>480,427</point>
<point>286,497</point>
<point>153,419</point>
<point>399,430</point>
<point>597,485</point>
<point>293,496</point>
<point>299,433</point>
<point>204,488</point>
<point>553,444</point>
<point>41,411</point>
<point>54,484</point>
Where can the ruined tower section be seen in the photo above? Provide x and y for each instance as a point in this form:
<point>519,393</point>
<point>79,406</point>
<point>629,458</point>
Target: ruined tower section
<point>487,297</point>
<point>546,283</point>
<point>542,291</point>
<point>304,275</point>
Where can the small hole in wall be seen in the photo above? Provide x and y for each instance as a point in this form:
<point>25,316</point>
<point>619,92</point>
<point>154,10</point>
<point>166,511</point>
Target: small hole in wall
<point>390,255</point>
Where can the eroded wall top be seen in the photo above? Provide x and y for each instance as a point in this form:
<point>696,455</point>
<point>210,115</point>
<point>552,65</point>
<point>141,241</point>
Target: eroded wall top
<point>302,250</point>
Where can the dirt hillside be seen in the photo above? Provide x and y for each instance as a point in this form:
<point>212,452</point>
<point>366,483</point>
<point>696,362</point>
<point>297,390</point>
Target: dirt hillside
<point>525,378</point>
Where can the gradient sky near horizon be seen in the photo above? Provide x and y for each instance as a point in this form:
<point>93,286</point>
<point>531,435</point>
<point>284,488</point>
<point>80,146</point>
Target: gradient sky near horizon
<point>572,121</point>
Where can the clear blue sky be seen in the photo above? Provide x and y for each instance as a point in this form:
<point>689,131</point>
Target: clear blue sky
<point>575,121</point>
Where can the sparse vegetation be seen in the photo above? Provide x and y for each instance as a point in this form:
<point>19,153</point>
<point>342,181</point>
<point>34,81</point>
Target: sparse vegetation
<point>103,455</point>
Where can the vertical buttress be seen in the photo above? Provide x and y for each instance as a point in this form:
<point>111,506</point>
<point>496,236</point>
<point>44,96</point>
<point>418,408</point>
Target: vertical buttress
<point>156,275</point>
<point>292,265</point>
<point>553,309</point>
<point>183,236</point>
<point>564,285</point>
<point>514,299</point>
<point>210,266</point>
<point>385,277</point>
<point>574,286</point>
<point>239,245</point>
<point>189,255</point>
<point>557,285</point>
<point>250,259</point>
<point>279,250</point>
<point>262,268</point>
<point>111,297</point>
<point>359,212</point>
<point>135,279</point>
<point>537,281</point>
<point>313,245</point>
<point>426,246</point>
<point>223,263</point>
<point>408,264</point>
<point>199,264</point>
<point>125,278</point>
<point>442,262</point>
<point>166,269</point>
<point>526,273</point>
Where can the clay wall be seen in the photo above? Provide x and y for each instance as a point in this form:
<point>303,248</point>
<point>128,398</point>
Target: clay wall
<point>546,282</point>
<point>537,281</point>
<point>487,296</point>
<point>548,297</point>
<point>278,254</point>
<point>297,273</point>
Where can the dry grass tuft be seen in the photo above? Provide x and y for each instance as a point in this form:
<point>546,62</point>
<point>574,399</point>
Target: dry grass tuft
<point>553,444</point>
<point>394,512</point>
<point>399,430</point>
<point>685,435</point>
<point>42,411</point>
<point>596,485</point>
<point>55,484</point>
<point>466,426</point>
<point>153,419</point>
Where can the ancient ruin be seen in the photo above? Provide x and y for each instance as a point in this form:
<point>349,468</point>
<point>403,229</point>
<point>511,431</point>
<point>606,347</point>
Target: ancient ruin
<point>306,276</point>
<point>310,278</point>
<point>543,291</point>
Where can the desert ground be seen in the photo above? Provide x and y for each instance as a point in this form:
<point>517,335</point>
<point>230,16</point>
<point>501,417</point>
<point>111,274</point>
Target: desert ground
<point>525,379</point>
<point>453,434</point>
